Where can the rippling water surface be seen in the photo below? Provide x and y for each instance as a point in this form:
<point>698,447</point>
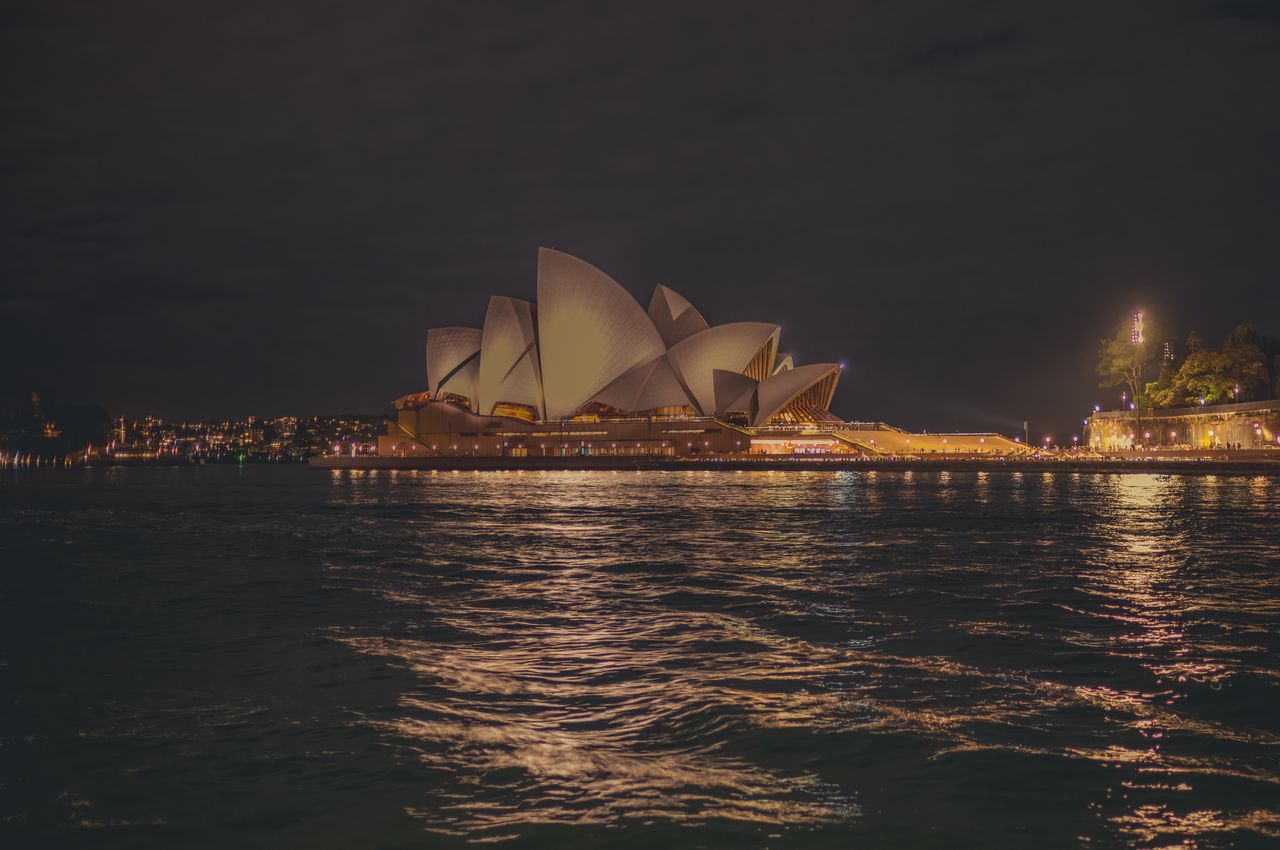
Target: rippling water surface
<point>272,657</point>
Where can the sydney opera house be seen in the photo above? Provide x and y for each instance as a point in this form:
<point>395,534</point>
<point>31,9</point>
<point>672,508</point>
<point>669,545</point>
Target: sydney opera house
<point>587,371</point>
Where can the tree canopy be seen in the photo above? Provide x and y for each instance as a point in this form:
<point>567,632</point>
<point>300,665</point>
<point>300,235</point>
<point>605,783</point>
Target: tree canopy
<point>1241,370</point>
<point>1124,361</point>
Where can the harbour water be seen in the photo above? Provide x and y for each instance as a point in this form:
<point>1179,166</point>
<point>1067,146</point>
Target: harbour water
<point>278,657</point>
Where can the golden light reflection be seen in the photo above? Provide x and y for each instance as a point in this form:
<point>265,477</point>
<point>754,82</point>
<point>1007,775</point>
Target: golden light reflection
<point>1142,577</point>
<point>1158,822</point>
<point>581,655</point>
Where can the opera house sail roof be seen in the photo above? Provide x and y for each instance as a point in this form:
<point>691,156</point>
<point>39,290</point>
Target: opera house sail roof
<point>453,361</point>
<point>588,347</point>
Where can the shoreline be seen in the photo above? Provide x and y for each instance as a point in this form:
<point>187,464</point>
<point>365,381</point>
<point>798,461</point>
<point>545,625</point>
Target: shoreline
<point>640,464</point>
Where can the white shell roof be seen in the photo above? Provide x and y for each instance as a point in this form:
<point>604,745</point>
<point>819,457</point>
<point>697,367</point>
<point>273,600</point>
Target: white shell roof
<point>734,392</point>
<point>463,382</point>
<point>508,357</point>
<point>647,386</point>
<point>730,347</point>
<point>447,349</point>
<point>774,393</point>
<point>590,331</point>
<point>674,317</point>
<point>588,340</point>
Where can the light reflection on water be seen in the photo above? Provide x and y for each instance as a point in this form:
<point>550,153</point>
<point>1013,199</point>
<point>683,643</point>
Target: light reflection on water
<point>279,657</point>
<point>639,646</point>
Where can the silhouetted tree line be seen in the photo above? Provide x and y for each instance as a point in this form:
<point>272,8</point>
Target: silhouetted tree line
<point>63,429</point>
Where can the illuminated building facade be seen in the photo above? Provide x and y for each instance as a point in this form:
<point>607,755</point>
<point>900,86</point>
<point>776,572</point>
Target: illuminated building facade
<point>1246,426</point>
<point>588,370</point>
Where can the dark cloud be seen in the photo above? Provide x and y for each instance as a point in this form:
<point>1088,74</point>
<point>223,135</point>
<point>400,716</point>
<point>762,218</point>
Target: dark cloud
<point>259,208</point>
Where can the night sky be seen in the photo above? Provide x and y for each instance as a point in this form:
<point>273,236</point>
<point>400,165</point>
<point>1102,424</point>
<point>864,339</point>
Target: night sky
<point>259,208</point>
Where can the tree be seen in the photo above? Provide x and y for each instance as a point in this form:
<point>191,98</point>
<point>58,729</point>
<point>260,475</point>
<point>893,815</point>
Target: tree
<point>1161,393</point>
<point>1236,372</point>
<point>1122,361</point>
<point>82,424</point>
<point>1245,361</point>
<point>1242,335</point>
<point>1233,373</point>
<point>1270,346</point>
<point>1203,376</point>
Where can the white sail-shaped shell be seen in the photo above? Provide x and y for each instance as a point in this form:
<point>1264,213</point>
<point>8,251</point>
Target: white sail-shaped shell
<point>674,317</point>
<point>730,347</point>
<point>777,392</point>
<point>509,370</point>
<point>590,332</point>
<point>464,381</point>
<point>735,392</point>
<point>646,387</point>
<point>447,350</point>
